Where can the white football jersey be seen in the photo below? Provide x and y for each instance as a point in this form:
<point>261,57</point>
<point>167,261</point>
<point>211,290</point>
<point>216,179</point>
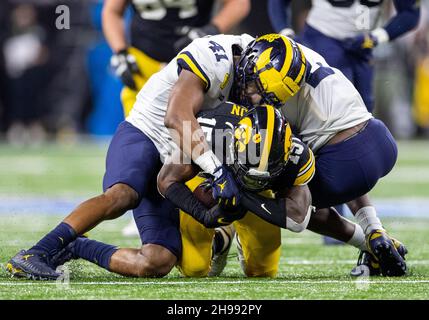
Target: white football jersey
<point>211,59</point>
<point>334,19</point>
<point>327,103</point>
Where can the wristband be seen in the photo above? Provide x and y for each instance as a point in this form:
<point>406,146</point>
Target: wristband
<point>208,162</point>
<point>381,35</point>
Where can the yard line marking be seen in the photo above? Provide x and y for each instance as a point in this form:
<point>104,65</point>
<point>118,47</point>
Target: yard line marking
<point>249,281</point>
<point>286,261</point>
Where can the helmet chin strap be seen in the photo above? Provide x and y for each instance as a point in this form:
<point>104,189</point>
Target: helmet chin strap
<point>257,173</point>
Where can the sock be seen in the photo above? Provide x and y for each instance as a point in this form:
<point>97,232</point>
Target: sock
<point>221,241</point>
<point>368,220</point>
<point>55,240</point>
<point>94,251</point>
<point>358,238</point>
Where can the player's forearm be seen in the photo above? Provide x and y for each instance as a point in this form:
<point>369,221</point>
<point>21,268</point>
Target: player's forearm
<point>406,19</point>
<point>114,28</point>
<point>180,195</point>
<point>278,13</point>
<point>231,14</point>
<point>271,210</point>
<point>185,102</point>
<point>292,212</point>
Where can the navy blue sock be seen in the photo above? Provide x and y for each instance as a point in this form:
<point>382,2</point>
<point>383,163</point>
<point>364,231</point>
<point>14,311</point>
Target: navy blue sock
<point>93,251</point>
<point>55,240</point>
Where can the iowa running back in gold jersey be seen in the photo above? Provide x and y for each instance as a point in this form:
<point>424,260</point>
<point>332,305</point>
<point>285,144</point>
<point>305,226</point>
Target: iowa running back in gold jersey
<point>285,164</point>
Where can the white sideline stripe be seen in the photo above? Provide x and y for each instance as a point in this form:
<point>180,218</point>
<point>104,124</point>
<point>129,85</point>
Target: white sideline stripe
<point>284,260</point>
<point>149,283</point>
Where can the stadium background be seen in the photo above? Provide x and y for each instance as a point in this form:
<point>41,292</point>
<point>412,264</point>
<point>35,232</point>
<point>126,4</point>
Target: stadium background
<point>59,105</point>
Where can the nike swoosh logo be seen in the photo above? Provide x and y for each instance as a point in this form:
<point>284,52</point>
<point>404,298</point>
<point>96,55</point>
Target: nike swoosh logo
<point>263,207</point>
<point>222,220</point>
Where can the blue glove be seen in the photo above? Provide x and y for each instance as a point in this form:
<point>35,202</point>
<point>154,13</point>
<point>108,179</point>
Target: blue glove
<point>225,188</point>
<point>361,45</point>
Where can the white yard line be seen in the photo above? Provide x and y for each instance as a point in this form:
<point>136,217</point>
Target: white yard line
<point>286,261</point>
<point>170,283</point>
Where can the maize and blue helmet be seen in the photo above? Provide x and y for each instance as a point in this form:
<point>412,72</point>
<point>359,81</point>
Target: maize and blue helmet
<point>275,64</point>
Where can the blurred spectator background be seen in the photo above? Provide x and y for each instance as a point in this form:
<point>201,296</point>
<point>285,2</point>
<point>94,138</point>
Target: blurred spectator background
<point>57,84</point>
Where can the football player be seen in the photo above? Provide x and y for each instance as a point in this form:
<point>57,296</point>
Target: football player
<point>345,32</point>
<point>259,149</point>
<point>199,78</point>
<point>159,30</point>
<point>353,149</point>
<point>284,163</point>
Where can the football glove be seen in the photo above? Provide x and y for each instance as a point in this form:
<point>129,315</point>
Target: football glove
<point>189,34</point>
<point>361,45</point>
<point>218,216</point>
<point>225,189</point>
<point>125,66</point>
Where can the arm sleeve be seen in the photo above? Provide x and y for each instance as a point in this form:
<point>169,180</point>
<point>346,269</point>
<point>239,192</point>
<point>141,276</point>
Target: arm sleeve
<point>183,198</point>
<point>406,18</point>
<point>278,12</point>
<point>271,210</point>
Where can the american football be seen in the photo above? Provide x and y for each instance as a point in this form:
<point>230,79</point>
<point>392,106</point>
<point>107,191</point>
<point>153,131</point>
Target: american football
<point>205,195</point>
<point>310,118</point>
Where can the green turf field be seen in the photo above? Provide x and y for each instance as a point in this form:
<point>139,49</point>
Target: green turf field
<point>308,270</point>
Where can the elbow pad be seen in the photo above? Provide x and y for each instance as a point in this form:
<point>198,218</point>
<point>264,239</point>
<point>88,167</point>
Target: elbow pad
<point>299,227</point>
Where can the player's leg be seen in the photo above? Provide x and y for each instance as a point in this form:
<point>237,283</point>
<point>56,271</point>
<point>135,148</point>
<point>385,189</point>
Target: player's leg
<point>259,246</point>
<point>196,242</point>
<point>335,55</point>
<point>147,67</point>
<point>158,224</point>
<point>124,182</point>
<point>348,170</point>
<point>329,223</point>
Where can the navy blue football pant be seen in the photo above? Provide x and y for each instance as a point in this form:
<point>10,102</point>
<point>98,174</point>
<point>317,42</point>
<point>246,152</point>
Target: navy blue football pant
<point>133,159</point>
<point>358,70</point>
<point>351,168</point>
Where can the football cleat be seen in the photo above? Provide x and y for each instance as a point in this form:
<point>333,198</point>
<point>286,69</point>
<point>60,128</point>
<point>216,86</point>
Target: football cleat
<point>366,265</point>
<point>33,265</point>
<point>219,259</point>
<point>386,254</point>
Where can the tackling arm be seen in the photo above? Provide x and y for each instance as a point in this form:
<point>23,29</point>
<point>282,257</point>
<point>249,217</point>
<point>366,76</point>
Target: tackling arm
<point>185,101</point>
<point>171,184</point>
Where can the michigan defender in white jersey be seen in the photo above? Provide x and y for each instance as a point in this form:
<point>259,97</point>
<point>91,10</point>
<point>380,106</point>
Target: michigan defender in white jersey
<point>353,149</point>
<point>210,61</point>
<point>344,32</point>
<point>133,160</point>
